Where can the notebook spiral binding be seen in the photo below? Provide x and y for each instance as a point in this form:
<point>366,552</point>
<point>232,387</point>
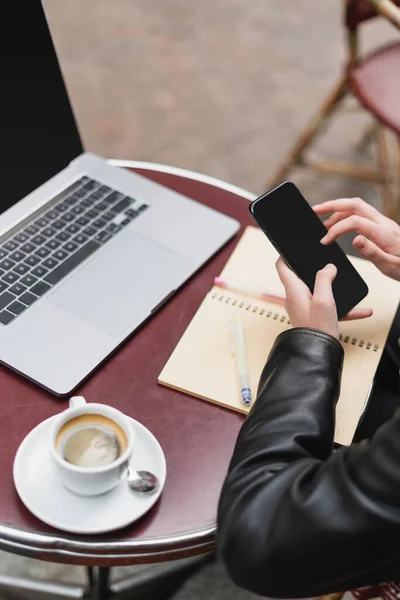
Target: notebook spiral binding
<point>270,314</point>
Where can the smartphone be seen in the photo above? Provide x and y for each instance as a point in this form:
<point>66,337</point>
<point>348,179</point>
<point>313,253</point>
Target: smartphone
<point>295,230</point>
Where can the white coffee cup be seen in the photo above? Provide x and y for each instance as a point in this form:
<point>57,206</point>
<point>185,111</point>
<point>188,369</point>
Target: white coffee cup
<point>91,481</point>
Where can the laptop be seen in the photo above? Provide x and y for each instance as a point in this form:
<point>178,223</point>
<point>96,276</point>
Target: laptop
<point>88,251</point>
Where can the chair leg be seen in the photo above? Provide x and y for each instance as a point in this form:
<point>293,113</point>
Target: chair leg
<point>368,136</point>
<point>390,205</point>
<point>311,131</point>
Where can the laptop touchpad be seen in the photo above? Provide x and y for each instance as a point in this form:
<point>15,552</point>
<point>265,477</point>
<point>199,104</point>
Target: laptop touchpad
<point>122,283</point>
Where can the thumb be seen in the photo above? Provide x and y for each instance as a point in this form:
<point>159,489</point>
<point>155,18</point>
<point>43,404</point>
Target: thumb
<point>382,260</point>
<point>323,284</point>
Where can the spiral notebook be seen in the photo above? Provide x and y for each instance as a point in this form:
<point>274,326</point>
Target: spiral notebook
<point>202,363</point>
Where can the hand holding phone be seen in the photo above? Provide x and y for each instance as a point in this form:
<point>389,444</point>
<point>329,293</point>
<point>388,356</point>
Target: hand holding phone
<point>295,230</point>
<point>317,310</point>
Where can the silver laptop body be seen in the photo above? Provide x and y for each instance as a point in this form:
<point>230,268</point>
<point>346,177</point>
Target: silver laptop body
<point>89,254</point>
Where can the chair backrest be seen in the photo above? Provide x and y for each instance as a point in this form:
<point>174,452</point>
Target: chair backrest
<point>358,11</point>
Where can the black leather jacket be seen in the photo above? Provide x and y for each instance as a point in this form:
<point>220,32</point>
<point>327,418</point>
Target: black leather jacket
<point>295,519</point>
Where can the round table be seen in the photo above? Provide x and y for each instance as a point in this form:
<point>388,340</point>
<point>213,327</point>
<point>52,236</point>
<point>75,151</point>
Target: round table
<point>197,437</point>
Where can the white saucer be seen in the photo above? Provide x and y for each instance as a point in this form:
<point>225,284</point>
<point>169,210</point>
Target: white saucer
<point>41,490</point>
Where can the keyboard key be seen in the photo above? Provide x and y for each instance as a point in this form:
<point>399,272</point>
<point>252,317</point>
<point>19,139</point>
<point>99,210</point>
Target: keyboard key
<point>50,263</point>
<point>142,207</point>
<point>108,216</point>
<point>33,260</point>
<point>10,246</point>
<point>92,213</point>
<point>28,248</point>
<point>42,222</point>
<point>7,264</point>
<point>53,244</point>
<point>113,197</point>
<point>39,239</point>
<point>60,255</point>
<point>21,269</point>
<point>6,317</point>
<point>48,232</point>
<point>70,247</point>
<point>131,212</point>
<point>17,256</point>
<point>103,236</point>
<point>72,228</point>
<point>63,236</point>
<point>71,263</point>
<point>40,288</point>
<point>88,201</point>
<point>125,222</point>
<point>5,299</point>
<point>21,237</point>
<point>31,230</point>
<point>59,224</point>
<point>29,280</point>
<point>101,206</point>
<point>104,190</point>
<point>83,221</point>
<point>78,209</point>
<point>89,231</point>
<point>17,289</point>
<point>52,214</point>
<point>61,208</point>
<point>79,239</point>
<point>69,216</point>
<point>28,298</point>
<point>39,271</point>
<point>42,252</point>
<point>113,228</point>
<point>97,194</point>
<point>10,277</point>
<point>3,253</point>
<point>100,223</point>
<point>72,200</point>
<point>17,307</point>
<point>80,193</point>
<point>3,286</point>
<point>122,205</point>
<point>91,185</point>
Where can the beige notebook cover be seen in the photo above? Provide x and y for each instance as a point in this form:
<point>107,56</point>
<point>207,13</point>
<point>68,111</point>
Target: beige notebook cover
<point>202,363</point>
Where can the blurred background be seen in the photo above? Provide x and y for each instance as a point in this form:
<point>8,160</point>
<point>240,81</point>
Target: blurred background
<point>222,87</point>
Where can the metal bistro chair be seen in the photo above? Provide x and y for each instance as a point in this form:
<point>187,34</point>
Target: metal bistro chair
<point>374,80</point>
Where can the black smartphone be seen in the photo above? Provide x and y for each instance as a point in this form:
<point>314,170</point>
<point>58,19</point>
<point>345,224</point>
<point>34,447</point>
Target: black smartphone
<point>295,230</point>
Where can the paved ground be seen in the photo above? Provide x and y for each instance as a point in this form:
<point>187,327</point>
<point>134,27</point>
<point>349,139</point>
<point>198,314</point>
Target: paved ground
<point>220,87</point>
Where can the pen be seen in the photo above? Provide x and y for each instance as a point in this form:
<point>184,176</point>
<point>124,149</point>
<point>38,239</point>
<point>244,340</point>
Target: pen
<point>248,290</point>
<point>239,351</point>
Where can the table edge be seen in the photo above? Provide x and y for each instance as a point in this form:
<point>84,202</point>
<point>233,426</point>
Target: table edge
<point>38,545</point>
<point>186,173</point>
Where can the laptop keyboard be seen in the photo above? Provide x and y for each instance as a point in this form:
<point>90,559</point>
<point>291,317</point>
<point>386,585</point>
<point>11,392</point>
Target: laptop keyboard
<point>44,251</point>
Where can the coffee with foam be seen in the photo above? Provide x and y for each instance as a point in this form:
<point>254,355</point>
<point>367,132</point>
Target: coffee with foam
<point>91,440</point>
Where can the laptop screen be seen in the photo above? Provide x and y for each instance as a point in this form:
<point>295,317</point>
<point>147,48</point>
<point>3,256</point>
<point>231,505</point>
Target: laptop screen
<point>38,133</point>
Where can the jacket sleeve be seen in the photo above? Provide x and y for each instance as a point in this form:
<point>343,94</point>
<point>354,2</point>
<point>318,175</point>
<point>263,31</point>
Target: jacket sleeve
<point>295,519</point>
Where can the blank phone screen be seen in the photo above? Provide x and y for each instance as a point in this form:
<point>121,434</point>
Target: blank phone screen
<point>295,230</point>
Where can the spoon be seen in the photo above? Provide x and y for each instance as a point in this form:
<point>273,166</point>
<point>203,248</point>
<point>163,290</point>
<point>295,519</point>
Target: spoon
<point>143,482</point>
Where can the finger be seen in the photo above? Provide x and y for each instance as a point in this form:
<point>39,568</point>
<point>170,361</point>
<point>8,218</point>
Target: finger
<point>354,206</point>
<point>358,313</point>
<point>358,224</point>
<point>292,284</point>
<point>386,263</point>
<point>323,285</point>
<point>335,218</point>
